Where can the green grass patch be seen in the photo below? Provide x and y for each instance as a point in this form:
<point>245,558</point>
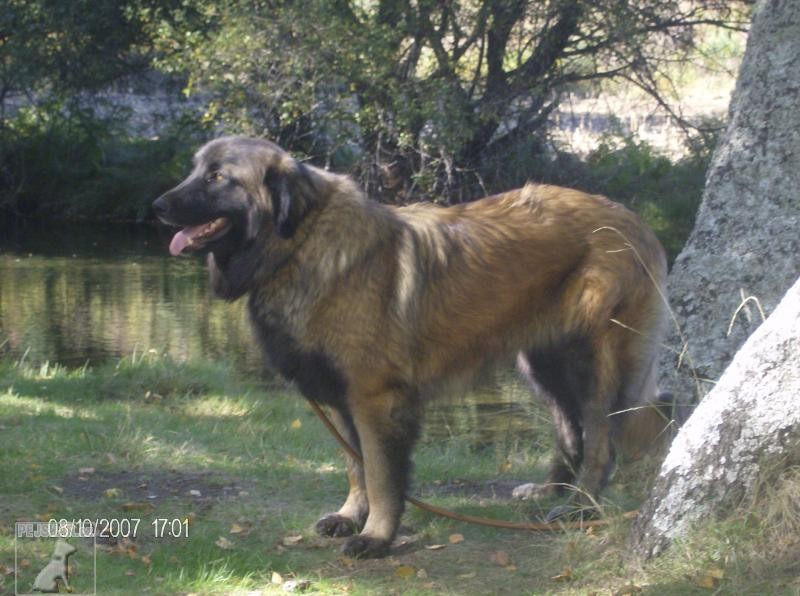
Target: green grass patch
<point>248,469</point>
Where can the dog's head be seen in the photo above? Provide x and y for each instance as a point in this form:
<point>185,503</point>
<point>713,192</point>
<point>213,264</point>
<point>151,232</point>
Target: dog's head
<point>63,548</point>
<point>241,194</point>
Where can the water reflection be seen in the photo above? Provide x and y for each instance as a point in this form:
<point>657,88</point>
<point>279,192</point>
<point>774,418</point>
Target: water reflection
<point>75,294</point>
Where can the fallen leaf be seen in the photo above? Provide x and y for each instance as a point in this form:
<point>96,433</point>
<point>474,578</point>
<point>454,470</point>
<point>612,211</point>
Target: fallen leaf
<point>500,558</point>
<point>710,578</point>
<point>706,581</point>
<point>469,575</point>
<point>456,538</point>
<point>291,540</point>
<point>24,564</point>
<point>146,560</point>
<point>716,573</point>
<point>564,576</point>
<point>435,546</point>
<point>224,543</point>
<point>296,424</point>
<point>130,572</point>
<point>135,506</point>
<point>422,574</point>
<point>404,571</point>
<point>628,590</point>
<point>277,578</point>
<point>242,529</point>
<point>112,493</point>
<point>85,471</point>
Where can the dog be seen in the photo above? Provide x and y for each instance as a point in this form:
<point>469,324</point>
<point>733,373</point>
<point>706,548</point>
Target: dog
<point>56,569</point>
<point>371,309</point>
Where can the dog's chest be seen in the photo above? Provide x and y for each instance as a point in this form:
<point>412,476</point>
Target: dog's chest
<point>314,372</point>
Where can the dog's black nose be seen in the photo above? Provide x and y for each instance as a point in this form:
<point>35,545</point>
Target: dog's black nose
<point>160,207</point>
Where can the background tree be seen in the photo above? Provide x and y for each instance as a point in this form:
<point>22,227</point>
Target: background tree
<point>745,240</point>
<point>742,253</point>
<point>418,96</point>
<point>56,148</point>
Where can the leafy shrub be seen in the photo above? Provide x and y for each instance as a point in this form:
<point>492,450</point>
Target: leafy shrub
<point>66,161</point>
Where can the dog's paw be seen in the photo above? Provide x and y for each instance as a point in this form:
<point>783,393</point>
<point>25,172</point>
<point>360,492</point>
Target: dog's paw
<point>365,547</point>
<point>533,491</point>
<point>336,525</point>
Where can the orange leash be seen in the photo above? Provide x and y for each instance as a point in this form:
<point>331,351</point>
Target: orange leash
<point>471,519</point>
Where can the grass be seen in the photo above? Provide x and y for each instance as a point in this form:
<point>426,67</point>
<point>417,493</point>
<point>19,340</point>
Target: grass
<point>250,469</point>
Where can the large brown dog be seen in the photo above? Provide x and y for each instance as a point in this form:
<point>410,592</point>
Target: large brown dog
<point>370,309</point>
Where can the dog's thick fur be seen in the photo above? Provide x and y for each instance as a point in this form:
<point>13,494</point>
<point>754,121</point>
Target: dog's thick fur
<point>370,308</point>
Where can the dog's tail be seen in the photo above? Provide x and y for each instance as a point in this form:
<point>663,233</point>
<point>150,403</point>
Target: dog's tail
<point>650,427</point>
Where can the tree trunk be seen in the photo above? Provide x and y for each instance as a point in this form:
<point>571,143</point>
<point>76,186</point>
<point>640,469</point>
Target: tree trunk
<point>741,256</point>
<point>746,241</point>
<point>749,421</point>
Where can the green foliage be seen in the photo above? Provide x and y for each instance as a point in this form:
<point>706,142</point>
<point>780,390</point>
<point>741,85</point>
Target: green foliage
<point>59,159</point>
<point>414,97</point>
<point>442,101</point>
<point>60,47</point>
<point>57,156</point>
<point>665,194</point>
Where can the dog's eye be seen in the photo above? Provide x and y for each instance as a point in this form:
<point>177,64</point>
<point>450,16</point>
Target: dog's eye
<point>215,177</point>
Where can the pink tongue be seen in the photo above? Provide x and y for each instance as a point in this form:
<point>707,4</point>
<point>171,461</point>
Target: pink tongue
<point>180,241</point>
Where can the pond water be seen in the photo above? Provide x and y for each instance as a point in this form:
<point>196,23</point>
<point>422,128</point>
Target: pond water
<point>97,292</point>
<point>93,293</point>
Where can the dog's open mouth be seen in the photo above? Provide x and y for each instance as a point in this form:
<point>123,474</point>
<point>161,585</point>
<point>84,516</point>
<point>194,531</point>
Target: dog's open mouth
<point>195,237</point>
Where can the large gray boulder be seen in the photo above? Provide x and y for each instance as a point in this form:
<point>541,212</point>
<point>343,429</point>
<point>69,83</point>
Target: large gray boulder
<point>745,245</point>
<point>749,422</point>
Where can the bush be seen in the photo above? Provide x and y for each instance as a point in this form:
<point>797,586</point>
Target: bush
<point>67,162</point>
<point>666,194</point>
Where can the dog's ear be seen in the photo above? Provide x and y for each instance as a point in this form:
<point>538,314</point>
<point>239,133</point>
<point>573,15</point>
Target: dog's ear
<point>291,190</point>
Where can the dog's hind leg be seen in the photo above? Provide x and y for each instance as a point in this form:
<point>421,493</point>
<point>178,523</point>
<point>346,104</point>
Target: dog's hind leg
<point>545,373</point>
<point>351,516</point>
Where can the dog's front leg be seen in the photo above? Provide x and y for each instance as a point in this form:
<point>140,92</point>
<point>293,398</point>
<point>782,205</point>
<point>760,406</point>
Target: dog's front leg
<point>351,516</point>
<point>387,425</point>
